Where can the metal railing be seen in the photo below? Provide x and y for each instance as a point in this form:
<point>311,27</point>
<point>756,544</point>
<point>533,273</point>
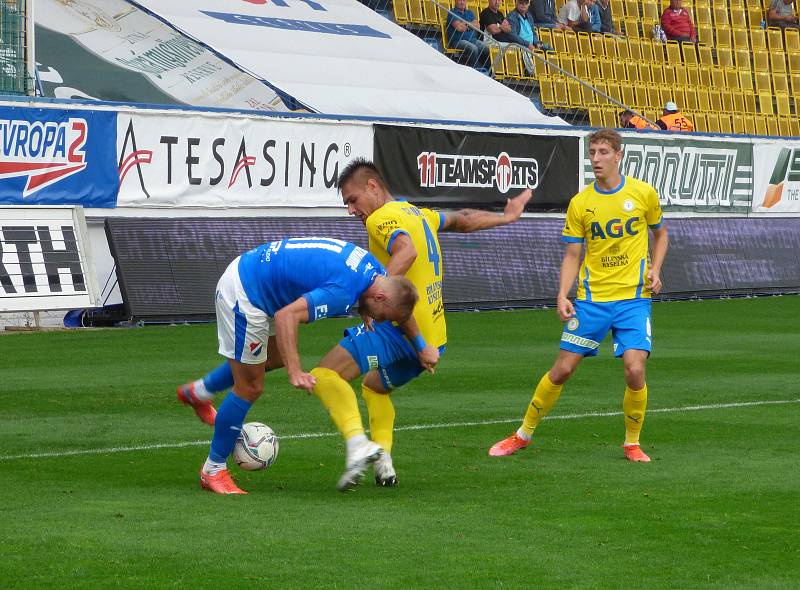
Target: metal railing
<point>16,47</point>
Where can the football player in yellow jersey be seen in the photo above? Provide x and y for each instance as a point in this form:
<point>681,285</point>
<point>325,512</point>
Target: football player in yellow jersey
<point>616,278</point>
<point>405,239</point>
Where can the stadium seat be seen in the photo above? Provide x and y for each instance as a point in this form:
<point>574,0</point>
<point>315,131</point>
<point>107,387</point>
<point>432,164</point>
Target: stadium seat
<point>713,122</point>
<point>742,59</point>
<point>772,126</point>
<point>749,124</point>
<point>738,17</point>
<point>761,61</point>
<point>792,39</point>
<point>784,127</point>
<point>726,123</point>
<point>674,54</point>
<point>761,125</point>
<point>794,124</point>
<point>705,34</point>
<point>775,39</point>
<point>780,83</point>
<point>739,125</point>
<point>723,37</point>
<point>721,15</point>
<point>765,105</point>
<point>758,39</point>
<point>777,62</point>
<point>754,16</point>
<point>782,104</point>
<point>400,8</point>
<point>741,38</point>
<point>725,57</point>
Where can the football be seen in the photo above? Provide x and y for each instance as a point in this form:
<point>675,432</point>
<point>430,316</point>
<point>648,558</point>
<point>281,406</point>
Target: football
<point>256,448</point>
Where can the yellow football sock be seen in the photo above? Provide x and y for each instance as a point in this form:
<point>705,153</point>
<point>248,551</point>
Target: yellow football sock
<point>340,400</point>
<point>544,398</point>
<point>381,416</point>
<point>633,406</point>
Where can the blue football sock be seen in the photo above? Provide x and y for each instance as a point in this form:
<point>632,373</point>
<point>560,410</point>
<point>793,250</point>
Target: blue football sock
<point>230,418</point>
<point>219,379</point>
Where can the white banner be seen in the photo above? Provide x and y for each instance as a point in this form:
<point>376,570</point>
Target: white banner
<point>45,262</point>
<point>130,39</point>
<point>776,177</point>
<point>206,160</point>
<point>340,57</point>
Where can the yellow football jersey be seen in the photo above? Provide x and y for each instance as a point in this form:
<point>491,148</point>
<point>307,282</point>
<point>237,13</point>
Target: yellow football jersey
<point>422,226</point>
<point>614,227</point>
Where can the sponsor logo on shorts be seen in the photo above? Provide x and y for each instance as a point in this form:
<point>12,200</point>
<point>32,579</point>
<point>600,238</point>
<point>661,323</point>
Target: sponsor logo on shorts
<point>579,341</point>
<point>372,361</point>
<point>321,311</point>
<point>573,324</point>
<point>256,348</point>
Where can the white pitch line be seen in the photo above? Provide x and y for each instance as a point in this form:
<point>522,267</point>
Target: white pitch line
<point>197,443</point>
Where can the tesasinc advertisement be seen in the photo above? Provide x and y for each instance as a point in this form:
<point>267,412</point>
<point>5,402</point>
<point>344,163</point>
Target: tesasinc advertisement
<point>57,157</point>
<point>776,182</point>
<point>215,161</point>
<point>689,174</point>
<point>476,169</point>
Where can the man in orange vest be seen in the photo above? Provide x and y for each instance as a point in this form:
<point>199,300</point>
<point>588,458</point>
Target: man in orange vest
<point>630,120</point>
<point>674,120</point>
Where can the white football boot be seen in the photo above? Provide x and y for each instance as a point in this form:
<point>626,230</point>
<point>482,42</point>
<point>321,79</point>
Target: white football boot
<point>385,474</point>
<point>358,460</point>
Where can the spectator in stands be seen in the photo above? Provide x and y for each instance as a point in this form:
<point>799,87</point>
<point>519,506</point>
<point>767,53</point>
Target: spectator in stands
<point>524,28</point>
<point>462,36</point>
<point>603,8</point>
<point>781,14</point>
<point>674,120</point>
<point>677,23</point>
<point>496,25</point>
<point>575,15</point>
<point>594,16</point>
<point>544,14</point>
<point>630,120</point>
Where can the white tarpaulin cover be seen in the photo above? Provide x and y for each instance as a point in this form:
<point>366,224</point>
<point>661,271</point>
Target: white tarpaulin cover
<point>340,57</point>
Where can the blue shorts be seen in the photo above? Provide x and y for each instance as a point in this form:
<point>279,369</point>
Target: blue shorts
<point>628,320</point>
<point>386,350</point>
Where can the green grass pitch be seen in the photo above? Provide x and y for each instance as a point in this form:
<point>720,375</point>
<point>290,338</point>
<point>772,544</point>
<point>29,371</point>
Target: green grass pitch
<point>98,465</point>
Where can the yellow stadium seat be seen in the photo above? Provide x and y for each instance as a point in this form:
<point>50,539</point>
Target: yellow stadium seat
<point>681,75</point>
<point>415,13</point>
<point>763,82</point>
<point>611,46</point>
<point>725,57</point>
<point>595,117</point>
<point>761,125</point>
<point>691,98</point>
<point>705,54</point>
<point>746,80</point>
<point>657,73</point>
<point>513,65</point>
<point>780,83</point>
<point>632,26</point>
<point>674,52</point>
<point>689,51</point>
<point>749,101</point>
<point>725,123</point>
<point>700,122</point>
<point>765,105</point>
<point>597,44</point>
<point>792,40</point>
<point>581,67</point>
<point>782,104</point>
<point>715,96</point>
<point>795,80</point>
<point>562,95</point>
<point>628,96</point>
<point>565,62</point>
<point>559,42</point>
<point>777,62</point>
<point>693,75</point>
<point>705,34</point>
<point>703,99</point>
<point>775,39</point>
<point>784,127</point>
<point>723,37</point>
<point>651,9</point>
<point>750,124</point>
<point>498,63</point>
<point>731,78</point>
<point>742,59</point>
<point>631,71</point>
<point>648,49</point>
<point>400,8</point>
<point>571,39</point>
<point>642,97</point>
<point>620,70</point>
<point>758,39</point>
<point>614,91</point>
<point>432,14</point>
<point>772,127</point>
<point>632,8</point>
<point>754,16</point>
<point>703,14</point>
<point>738,17</point>
<point>594,69</point>
<point>721,15</point>
<point>547,94</point>
<point>739,126</point>
<point>718,78</point>
<point>669,74</point>
<point>741,38</point>
<point>794,124</point>
<point>727,101</point>
<point>713,122</point>
<point>761,61</point>
<point>738,103</point>
<point>574,96</point>
<point>610,118</point>
<point>794,62</point>
<point>584,43</point>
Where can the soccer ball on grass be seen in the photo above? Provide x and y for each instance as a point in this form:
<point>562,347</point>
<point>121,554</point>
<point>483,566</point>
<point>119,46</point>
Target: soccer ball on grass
<point>256,448</point>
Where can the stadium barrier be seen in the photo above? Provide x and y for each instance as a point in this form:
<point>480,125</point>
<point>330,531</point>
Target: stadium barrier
<point>168,268</point>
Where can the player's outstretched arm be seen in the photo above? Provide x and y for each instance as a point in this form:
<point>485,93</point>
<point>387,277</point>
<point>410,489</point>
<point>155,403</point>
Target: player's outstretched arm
<point>470,220</point>
<point>660,245</point>
<point>286,321</point>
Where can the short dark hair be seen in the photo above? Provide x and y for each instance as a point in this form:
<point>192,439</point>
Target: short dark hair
<point>360,169</point>
<point>611,137</point>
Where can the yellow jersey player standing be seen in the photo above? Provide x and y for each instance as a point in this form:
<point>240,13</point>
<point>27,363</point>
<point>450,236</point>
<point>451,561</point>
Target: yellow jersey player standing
<point>616,278</point>
<point>404,238</point>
